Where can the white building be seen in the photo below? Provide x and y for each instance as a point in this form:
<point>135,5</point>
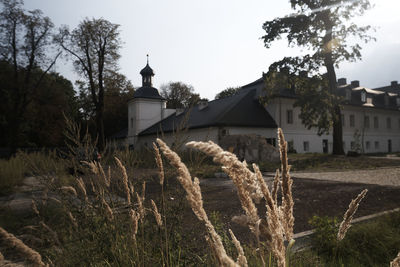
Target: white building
<point>371,118</point>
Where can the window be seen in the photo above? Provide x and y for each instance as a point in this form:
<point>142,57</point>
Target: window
<point>289,116</point>
<point>343,119</point>
<point>363,97</point>
<point>131,122</point>
<point>306,146</point>
<point>376,144</point>
<point>399,123</point>
<point>352,120</point>
<point>367,145</point>
<point>271,141</point>
<point>344,145</point>
<point>352,145</point>
<point>366,121</point>
<point>388,123</point>
<point>376,122</point>
<point>398,101</point>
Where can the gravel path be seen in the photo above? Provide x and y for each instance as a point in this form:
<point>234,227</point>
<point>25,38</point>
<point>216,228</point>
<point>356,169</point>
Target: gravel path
<point>381,176</point>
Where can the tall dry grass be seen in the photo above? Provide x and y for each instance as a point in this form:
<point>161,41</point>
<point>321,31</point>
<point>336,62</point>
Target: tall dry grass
<point>104,217</point>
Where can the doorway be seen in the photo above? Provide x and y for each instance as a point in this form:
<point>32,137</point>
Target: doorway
<point>389,146</point>
<point>325,146</point>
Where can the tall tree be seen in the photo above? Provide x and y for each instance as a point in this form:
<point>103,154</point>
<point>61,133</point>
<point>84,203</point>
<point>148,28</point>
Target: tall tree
<point>94,45</point>
<point>118,90</point>
<point>179,95</point>
<point>25,44</point>
<point>324,28</point>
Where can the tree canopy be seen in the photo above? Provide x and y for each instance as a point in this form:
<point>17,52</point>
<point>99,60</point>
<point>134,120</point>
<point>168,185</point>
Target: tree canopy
<point>230,91</point>
<point>43,121</point>
<point>117,92</point>
<point>324,28</point>
<point>179,95</point>
<point>27,54</point>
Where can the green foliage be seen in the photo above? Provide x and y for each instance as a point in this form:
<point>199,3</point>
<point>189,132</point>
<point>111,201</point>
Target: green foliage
<point>324,240</point>
<point>323,28</point>
<point>179,95</point>
<point>373,243</point>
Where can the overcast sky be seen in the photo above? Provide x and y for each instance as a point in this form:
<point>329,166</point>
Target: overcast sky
<point>215,44</point>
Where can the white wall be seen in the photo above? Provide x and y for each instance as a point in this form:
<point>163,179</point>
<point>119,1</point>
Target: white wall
<point>298,134</point>
<point>370,134</point>
<point>143,113</point>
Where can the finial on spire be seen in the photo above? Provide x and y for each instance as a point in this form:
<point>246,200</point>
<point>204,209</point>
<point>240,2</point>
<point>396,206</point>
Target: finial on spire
<point>147,58</point>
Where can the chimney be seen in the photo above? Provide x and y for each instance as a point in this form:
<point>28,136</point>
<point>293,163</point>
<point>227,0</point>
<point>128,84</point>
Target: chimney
<point>394,83</point>
<point>355,83</point>
<point>342,81</point>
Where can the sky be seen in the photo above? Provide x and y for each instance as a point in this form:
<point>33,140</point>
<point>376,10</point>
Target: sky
<point>215,44</point>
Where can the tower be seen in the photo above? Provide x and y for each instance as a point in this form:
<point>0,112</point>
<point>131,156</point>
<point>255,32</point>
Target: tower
<point>146,107</point>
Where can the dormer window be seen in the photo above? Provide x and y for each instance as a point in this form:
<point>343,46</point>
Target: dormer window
<point>363,96</point>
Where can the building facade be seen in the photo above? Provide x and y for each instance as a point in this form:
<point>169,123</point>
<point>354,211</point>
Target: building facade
<point>370,118</point>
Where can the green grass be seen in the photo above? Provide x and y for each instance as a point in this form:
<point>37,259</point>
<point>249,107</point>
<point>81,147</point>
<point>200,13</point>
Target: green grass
<point>373,243</point>
<point>317,162</point>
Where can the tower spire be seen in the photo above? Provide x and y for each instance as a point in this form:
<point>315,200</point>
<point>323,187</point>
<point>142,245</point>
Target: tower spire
<point>147,74</point>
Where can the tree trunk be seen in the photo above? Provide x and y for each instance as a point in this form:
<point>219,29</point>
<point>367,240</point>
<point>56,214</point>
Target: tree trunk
<point>100,129</point>
<point>337,133</point>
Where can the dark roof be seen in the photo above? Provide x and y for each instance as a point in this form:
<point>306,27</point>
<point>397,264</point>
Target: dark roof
<point>147,92</point>
<point>377,94</point>
<point>393,88</point>
<point>146,71</point>
<point>257,83</point>
<point>242,109</point>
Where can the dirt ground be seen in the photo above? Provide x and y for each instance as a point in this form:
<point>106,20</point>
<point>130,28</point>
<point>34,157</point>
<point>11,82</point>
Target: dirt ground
<point>311,197</point>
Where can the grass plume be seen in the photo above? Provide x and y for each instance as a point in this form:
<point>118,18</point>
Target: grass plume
<point>348,216</point>
<point>193,191</point>
<point>11,241</point>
